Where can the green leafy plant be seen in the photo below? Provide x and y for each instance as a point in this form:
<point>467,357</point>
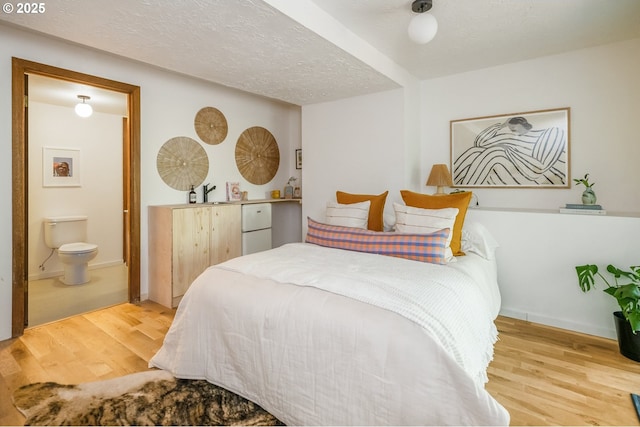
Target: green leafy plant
<point>584,181</point>
<point>627,295</point>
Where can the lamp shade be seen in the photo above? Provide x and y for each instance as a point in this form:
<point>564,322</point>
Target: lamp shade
<point>423,28</point>
<point>82,109</point>
<point>440,177</point>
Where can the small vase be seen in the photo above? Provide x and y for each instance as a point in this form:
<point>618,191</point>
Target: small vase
<point>288,192</point>
<point>588,197</point>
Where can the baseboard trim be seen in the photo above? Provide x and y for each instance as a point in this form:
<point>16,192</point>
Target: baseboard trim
<point>560,323</point>
<point>57,273</point>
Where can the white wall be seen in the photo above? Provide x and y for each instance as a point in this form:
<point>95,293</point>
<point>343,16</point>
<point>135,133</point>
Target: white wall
<point>357,146</point>
<point>169,103</point>
<point>536,264</point>
<point>602,88</point>
<point>99,141</point>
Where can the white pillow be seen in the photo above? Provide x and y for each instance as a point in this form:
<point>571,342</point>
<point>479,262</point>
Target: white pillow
<point>410,219</point>
<point>477,239</point>
<point>348,215</point>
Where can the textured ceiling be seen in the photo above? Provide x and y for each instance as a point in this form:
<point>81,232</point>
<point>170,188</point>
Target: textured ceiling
<point>259,48</point>
<point>475,34</point>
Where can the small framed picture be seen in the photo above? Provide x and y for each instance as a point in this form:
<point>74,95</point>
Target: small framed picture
<point>299,158</point>
<point>60,167</point>
<point>233,191</point>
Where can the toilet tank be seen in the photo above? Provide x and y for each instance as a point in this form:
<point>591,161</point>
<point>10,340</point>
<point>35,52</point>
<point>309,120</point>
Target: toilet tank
<point>59,230</point>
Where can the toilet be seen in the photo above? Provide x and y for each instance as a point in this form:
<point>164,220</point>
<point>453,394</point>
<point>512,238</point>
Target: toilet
<point>67,234</point>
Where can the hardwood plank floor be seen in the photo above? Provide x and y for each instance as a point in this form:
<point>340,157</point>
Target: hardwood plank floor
<point>549,376</point>
<point>542,375</point>
<point>99,345</point>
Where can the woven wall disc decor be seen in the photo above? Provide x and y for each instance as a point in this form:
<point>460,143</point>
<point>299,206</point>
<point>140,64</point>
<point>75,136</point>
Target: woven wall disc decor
<point>211,125</point>
<point>182,162</point>
<point>257,155</point>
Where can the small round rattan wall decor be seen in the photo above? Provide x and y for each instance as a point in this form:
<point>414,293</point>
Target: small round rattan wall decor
<point>211,125</point>
<point>257,155</point>
<point>182,162</point>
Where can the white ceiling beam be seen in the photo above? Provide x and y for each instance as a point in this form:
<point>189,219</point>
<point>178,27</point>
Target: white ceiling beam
<point>308,14</point>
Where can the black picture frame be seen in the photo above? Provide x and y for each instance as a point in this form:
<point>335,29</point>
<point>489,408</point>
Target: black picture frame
<point>299,158</point>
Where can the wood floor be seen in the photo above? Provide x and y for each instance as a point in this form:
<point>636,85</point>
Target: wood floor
<point>542,375</point>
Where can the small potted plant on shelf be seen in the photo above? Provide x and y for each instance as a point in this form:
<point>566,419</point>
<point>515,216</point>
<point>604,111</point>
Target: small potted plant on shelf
<point>588,195</point>
<point>627,295</point>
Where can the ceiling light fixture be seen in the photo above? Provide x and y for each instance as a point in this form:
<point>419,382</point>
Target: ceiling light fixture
<point>423,27</point>
<point>82,109</point>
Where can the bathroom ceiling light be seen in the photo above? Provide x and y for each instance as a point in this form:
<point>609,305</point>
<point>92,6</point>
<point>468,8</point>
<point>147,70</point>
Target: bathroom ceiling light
<point>423,27</point>
<point>82,109</point>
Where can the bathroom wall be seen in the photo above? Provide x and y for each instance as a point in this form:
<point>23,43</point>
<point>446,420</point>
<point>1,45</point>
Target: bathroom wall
<point>99,196</point>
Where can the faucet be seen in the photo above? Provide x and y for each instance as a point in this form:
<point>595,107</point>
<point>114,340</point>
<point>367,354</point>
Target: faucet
<point>205,192</point>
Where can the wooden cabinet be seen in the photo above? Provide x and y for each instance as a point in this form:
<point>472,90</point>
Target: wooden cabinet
<point>226,233</point>
<point>183,241</point>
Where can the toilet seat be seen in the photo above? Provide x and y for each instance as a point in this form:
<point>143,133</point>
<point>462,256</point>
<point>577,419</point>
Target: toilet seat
<point>77,248</point>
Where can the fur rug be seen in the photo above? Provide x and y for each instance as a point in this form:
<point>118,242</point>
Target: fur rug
<point>146,398</point>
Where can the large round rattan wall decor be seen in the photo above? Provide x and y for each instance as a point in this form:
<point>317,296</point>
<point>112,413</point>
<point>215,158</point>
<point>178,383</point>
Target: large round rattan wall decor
<point>211,125</point>
<point>257,155</point>
<point>182,162</point>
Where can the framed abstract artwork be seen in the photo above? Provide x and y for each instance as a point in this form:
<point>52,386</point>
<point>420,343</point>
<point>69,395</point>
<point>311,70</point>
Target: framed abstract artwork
<point>517,150</point>
<point>60,167</point>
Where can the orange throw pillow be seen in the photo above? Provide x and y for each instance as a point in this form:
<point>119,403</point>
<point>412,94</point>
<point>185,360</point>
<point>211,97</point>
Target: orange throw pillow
<point>457,200</point>
<point>376,210</point>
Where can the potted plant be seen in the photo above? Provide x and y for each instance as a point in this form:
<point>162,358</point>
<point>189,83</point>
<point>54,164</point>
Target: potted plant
<point>588,195</point>
<point>627,294</point>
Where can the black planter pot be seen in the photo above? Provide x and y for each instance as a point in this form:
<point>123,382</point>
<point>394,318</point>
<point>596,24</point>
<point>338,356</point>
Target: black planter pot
<point>628,342</point>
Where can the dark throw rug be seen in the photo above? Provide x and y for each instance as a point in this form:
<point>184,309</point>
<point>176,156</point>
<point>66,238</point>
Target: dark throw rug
<point>146,398</point>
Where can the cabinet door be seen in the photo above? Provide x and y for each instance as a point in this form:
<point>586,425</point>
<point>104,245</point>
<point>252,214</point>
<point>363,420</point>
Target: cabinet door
<point>226,233</point>
<point>191,236</point>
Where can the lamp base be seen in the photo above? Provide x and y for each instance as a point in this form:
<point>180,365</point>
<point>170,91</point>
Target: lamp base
<point>439,191</point>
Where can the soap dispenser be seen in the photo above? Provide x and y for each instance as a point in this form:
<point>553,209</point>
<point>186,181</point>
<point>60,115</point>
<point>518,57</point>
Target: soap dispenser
<point>192,195</point>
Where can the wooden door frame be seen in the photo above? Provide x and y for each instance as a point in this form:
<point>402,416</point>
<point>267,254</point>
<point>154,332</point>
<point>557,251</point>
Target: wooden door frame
<point>20,169</point>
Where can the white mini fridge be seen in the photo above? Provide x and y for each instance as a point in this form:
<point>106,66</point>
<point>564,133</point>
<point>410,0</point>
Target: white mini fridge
<point>256,227</point>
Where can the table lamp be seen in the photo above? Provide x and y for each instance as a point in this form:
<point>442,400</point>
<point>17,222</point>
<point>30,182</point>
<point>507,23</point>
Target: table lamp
<point>439,178</point>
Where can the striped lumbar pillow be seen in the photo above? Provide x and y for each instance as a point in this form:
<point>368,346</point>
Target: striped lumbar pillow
<point>415,246</point>
<point>351,215</point>
<point>425,221</point>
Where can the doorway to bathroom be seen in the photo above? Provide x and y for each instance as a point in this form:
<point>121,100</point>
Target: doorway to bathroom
<point>28,248</point>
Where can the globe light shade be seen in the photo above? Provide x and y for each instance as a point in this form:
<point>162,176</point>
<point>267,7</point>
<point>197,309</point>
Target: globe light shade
<point>84,110</point>
<point>423,28</point>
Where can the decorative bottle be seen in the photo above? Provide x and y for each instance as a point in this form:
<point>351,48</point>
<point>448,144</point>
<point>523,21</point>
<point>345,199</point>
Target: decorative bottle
<point>288,189</point>
<point>192,195</point>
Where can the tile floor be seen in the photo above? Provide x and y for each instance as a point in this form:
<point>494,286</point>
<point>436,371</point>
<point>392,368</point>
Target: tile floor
<point>50,299</point>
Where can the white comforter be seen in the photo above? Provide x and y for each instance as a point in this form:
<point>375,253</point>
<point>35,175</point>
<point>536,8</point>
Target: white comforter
<point>321,336</point>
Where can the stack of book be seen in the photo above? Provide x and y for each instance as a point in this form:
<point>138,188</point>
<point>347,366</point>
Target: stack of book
<point>576,208</point>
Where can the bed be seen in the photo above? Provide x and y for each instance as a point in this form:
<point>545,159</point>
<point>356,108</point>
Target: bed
<point>325,336</point>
